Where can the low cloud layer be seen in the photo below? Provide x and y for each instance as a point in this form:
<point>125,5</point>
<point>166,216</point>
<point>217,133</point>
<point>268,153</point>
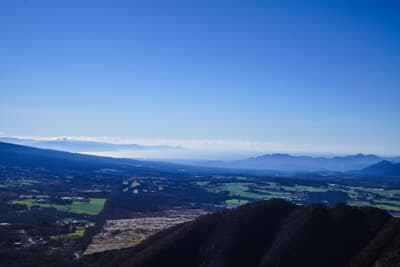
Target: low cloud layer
<point>227,145</point>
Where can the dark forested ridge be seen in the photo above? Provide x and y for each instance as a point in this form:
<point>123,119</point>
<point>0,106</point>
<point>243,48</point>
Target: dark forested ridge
<point>32,157</point>
<point>26,156</point>
<point>270,233</point>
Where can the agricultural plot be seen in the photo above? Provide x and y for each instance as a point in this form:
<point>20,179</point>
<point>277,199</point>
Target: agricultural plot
<point>384,198</point>
<point>236,201</point>
<point>92,191</point>
<point>92,207</point>
<point>6,185</point>
<point>240,190</point>
<point>252,191</point>
<point>79,232</point>
<point>18,182</point>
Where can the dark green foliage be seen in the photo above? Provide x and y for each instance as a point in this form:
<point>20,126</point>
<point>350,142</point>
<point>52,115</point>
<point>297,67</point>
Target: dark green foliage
<point>270,233</point>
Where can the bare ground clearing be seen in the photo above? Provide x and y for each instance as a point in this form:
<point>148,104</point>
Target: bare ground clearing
<point>123,233</point>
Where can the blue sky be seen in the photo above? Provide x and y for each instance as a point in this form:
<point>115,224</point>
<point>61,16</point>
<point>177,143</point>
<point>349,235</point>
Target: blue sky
<point>311,76</point>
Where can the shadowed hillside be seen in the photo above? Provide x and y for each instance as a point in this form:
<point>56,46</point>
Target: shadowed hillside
<point>383,168</point>
<point>32,157</point>
<point>270,233</point>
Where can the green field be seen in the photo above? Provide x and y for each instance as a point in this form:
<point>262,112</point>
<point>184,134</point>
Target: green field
<point>387,201</point>
<point>27,182</point>
<point>202,183</point>
<point>256,192</point>
<point>244,189</point>
<point>80,231</point>
<point>6,185</point>
<point>42,196</point>
<point>387,207</point>
<point>13,183</point>
<point>236,201</point>
<point>93,207</point>
<point>304,188</point>
<point>239,189</point>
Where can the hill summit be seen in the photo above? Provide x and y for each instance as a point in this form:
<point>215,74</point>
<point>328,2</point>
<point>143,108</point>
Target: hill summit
<point>271,233</point>
<point>383,168</point>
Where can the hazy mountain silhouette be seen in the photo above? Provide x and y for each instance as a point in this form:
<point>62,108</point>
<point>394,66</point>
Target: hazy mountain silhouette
<point>27,156</point>
<point>383,168</point>
<point>270,233</point>
<point>69,145</point>
<point>286,162</point>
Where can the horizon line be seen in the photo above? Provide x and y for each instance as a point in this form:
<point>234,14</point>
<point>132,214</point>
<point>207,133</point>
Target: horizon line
<point>221,145</point>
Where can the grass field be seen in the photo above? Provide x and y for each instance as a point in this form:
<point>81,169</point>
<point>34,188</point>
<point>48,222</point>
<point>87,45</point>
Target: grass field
<point>244,189</point>
<point>6,185</point>
<point>80,231</point>
<point>42,196</point>
<point>13,183</point>
<point>304,188</point>
<point>387,201</point>
<point>93,207</point>
<point>236,201</point>
<point>92,191</point>
<point>27,182</point>
<point>239,189</point>
<point>202,183</point>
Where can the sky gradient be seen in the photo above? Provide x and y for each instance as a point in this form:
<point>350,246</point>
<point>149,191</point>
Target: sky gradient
<point>323,76</point>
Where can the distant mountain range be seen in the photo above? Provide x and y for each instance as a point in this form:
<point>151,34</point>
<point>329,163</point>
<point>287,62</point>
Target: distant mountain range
<point>32,157</point>
<point>284,165</point>
<point>27,156</point>
<point>69,145</point>
<point>267,234</point>
<point>286,162</point>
